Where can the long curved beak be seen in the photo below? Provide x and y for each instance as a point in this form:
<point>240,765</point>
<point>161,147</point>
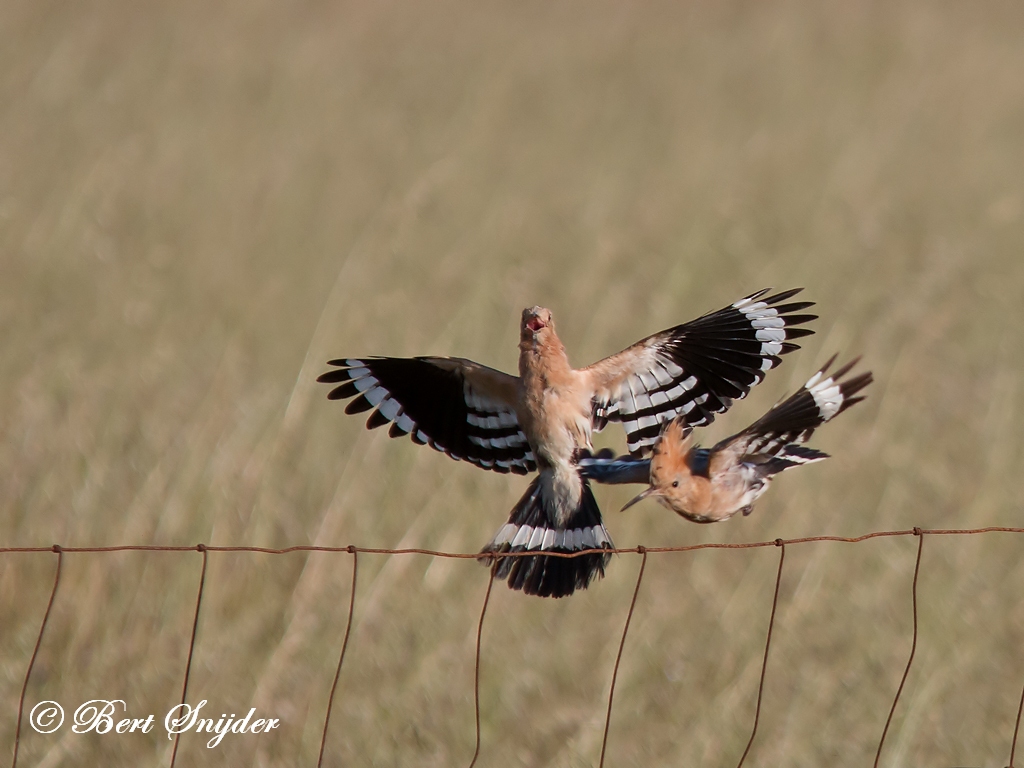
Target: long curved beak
<point>639,497</point>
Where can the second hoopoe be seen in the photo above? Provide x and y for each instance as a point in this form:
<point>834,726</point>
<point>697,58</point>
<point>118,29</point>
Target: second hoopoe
<point>711,485</point>
<point>543,419</point>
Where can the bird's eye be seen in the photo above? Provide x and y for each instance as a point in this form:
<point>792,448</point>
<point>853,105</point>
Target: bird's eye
<point>675,483</point>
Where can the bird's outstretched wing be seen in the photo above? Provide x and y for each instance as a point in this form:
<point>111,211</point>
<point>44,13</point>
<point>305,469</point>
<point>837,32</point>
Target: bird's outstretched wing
<point>780,432</point>
<point>456,406</point>
<point>696,369</point>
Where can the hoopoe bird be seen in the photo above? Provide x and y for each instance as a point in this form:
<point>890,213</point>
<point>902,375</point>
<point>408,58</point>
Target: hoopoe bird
<point>544,418</point>
<point>711,485</point>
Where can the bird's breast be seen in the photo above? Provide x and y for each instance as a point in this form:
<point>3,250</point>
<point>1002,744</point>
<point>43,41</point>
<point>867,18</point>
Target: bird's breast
<point>557,420</point>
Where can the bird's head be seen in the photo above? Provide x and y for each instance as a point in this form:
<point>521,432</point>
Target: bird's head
<point>537,325</point>
<point>670,472</point>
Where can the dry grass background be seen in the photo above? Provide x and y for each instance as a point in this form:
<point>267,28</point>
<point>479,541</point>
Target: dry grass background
<point>202,202</point>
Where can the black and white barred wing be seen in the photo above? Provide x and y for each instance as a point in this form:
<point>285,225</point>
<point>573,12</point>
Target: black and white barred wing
<point>459,407</point>
<point>696,369</point>
<point>792,421</point>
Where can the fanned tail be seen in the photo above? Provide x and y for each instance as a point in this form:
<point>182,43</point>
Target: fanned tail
<point>530,528</point>
<point>794,420</point>
<point>774,442</point>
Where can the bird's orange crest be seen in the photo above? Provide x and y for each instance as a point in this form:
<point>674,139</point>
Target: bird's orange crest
<point>670,452</point>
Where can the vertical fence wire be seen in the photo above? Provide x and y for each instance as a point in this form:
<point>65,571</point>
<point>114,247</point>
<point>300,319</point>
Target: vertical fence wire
<point>341,657</point>
<point>191,644</point>
<point>35,652</point>
<point>767,645</point>
<point>476,672</point>
<point>618,657</point>
<point>1016,729</point>
<point>913,647</point>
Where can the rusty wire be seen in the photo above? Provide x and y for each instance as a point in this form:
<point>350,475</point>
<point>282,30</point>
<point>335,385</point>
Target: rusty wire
<point>767,645</point>
<point>476,674</point>
<point>913,647</point>
<point>341,657</point>
<point>643,551</point>
<point>618,657</point>
<point>35,651</point>
<point>191,643</point>
<point>476,555</point>
<point>1016,728</point>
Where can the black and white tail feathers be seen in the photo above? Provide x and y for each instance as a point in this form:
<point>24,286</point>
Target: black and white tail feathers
<point>776,437</point>
<point>530,528</point>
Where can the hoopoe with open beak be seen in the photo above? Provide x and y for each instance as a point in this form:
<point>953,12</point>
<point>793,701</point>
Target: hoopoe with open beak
<point>543,419</point>
<point>711,485</point>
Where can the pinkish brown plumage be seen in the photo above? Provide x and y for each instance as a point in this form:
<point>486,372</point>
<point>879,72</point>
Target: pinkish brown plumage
<point>543,419</point>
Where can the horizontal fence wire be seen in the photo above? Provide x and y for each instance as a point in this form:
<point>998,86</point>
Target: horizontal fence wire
<point>476,555</point>
<point>354,551</point>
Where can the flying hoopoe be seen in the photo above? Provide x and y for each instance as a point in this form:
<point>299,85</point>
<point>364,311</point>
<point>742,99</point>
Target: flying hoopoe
<point>711,485</point>
<point>543,419</point>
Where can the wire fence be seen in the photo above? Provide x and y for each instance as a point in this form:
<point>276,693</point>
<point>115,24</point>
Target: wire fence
<point>644,552</point>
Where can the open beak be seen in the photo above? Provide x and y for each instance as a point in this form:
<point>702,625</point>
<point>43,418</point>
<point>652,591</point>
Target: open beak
<point>639,497</point>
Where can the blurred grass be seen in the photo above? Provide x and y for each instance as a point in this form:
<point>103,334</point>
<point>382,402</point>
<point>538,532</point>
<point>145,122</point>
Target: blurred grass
<point>200,203</point>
